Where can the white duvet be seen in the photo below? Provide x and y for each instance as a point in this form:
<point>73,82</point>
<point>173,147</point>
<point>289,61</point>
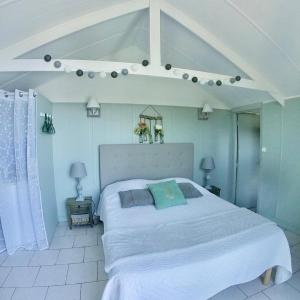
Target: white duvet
<point>191,251</point>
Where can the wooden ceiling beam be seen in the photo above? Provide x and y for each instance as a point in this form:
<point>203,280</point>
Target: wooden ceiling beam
<point>154,30</point>
<point>39,65</point>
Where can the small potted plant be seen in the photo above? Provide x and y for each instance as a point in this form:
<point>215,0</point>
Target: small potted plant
<point>158,133</point>
<point>142,130</point>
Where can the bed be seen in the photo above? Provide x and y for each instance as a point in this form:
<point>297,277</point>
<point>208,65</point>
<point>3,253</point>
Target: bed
<point>189,251</point>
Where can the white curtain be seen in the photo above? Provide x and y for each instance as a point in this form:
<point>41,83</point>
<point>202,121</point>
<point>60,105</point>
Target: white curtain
<point>20,200</point>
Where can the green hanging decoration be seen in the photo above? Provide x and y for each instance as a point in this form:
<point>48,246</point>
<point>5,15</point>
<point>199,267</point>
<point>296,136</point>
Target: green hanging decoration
<point>48,126</point>
<point>45,126</point>
<point>145,130</point>
<point>51,128</point>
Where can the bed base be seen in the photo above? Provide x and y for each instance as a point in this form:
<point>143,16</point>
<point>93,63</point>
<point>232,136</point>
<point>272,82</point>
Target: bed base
<point>266,277</point>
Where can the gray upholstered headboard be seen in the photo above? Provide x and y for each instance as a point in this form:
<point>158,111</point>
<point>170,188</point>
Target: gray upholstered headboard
<point>144,161</point>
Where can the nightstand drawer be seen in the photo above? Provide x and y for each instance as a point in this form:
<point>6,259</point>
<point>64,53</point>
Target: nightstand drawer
<point>79,209</point>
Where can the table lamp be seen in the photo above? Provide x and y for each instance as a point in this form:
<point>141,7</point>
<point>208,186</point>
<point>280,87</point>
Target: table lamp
<point>207,164</point>
<point>78,171</point>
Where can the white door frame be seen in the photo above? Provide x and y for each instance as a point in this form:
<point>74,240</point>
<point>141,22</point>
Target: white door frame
<point>243,109</point>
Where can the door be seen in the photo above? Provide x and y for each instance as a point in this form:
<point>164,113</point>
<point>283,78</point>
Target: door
<point>248,153</point>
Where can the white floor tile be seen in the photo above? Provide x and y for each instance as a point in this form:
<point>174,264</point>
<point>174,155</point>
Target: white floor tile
<point>93,253</point>
<point>63,224</point>
<point>4,271</point>
<point>21,277</point>
<point>44,258</point>
<point>282,292</point>
<point>60,231</point>
<point>295,281</point>
<point>86,240</point>
<point>3,257</point>
<point>20,259</point>
<point>52,275</point>
<point>76,231</point>
<point>101,273</point>
<point>62,242</point>
<point>295,263</point>
<point>70,256</point>
<point>232,293</point>
<point>6,293</point>
<point>92,290</point>
<point>65,292</point>
<point>34,293</point>
<point>95,229</point>
<point>80,273</point>
<point>259,296</point>
<point>292,238</point>
<point>253,287</point>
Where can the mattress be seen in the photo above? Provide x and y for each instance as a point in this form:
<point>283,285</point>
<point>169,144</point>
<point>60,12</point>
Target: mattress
<point>172,267</point>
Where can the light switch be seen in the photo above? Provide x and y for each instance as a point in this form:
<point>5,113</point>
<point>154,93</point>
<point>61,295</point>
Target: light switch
<point>264,149</point>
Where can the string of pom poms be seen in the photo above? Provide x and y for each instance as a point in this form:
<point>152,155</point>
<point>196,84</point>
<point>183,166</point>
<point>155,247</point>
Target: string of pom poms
<point>135,67</point>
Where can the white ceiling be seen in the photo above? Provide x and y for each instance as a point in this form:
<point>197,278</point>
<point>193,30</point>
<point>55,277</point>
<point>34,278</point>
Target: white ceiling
<point>22,18</point>
<point>96,41</point>
<point>183,49</point>
<point>264,33</point>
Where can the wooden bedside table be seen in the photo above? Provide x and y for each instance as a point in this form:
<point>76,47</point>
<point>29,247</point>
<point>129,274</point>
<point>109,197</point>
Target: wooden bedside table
<point>80,208</point>
<point>215,190</point>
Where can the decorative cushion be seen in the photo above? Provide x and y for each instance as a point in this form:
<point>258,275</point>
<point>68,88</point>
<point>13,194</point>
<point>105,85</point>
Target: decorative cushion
<point>189,191</point>
<point>136,198</point>
<point>166,194</point>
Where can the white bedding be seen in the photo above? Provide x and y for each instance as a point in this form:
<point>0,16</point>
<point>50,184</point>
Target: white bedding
<point>173,268</point>
<point>114,217</point>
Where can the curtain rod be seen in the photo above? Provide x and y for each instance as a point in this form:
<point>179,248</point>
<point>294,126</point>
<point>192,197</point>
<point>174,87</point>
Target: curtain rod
<point>12,93</point>
<point>6,93</point>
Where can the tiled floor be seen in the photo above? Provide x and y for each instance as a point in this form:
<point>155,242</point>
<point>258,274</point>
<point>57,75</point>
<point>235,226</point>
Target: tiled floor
<point>72,269</point>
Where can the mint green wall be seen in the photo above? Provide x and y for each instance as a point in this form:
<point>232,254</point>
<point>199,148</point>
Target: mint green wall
<point>77,138</point>
<point>279,196</point>
<point>46,171</point>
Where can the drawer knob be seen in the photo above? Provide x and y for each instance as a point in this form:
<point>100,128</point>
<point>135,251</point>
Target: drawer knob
<point>78,206</point>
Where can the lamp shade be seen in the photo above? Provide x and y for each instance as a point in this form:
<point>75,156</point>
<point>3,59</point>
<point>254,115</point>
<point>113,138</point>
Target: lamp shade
<point>207,163</point>
<point>78,170</point>
<point>92,103</point>
<point>207,108</point>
